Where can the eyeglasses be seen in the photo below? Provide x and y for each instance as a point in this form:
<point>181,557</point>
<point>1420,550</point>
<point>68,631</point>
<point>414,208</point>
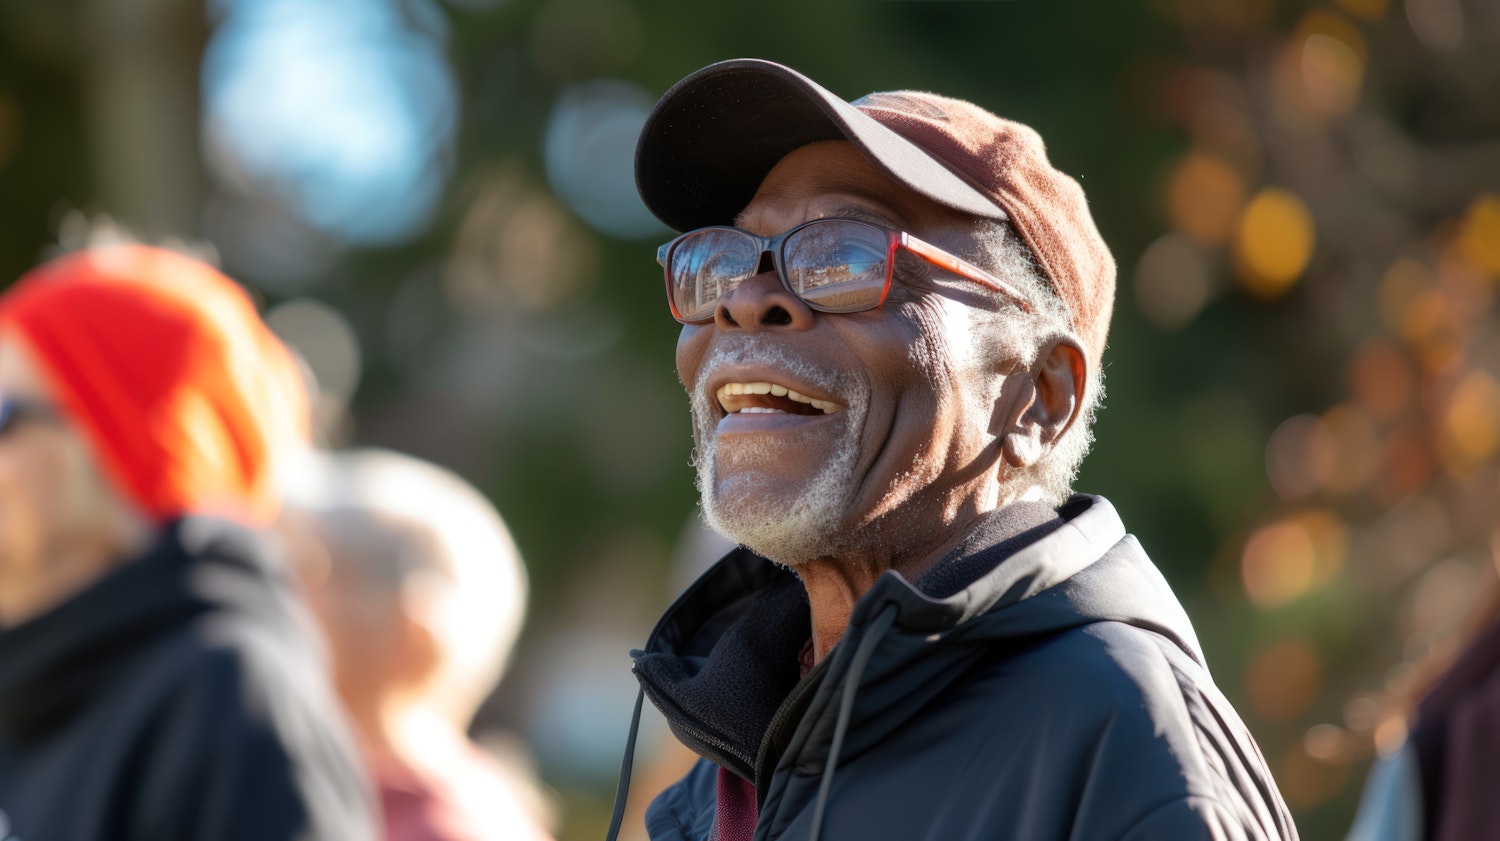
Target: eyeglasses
<point>833,265</point>
<point>14,411</point>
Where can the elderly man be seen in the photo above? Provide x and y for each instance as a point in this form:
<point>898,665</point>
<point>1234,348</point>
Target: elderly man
<point>892,360</point>
<point>157,682</point>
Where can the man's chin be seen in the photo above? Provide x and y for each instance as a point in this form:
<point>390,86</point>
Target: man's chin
<point>789,524</point>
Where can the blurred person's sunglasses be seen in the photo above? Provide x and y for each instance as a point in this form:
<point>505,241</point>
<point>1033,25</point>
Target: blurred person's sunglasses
<point>833,265</point>
<point>15,411</point>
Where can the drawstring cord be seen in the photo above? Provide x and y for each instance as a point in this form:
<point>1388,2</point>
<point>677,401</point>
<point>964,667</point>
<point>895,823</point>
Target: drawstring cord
<point>862,656</point>
<point>624,788</point>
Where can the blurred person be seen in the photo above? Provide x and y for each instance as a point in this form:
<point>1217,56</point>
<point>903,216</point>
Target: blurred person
<point>1436,783</point>
<point>158,678</point>
<point>892,365</point>
<point>421,592</point>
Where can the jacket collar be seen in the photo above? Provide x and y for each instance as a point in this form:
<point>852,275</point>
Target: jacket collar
<point>722,664</point>
<point>52,665</point>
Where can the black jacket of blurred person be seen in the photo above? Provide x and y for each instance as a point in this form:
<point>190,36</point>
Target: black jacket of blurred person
<point>158,681</point>
<point>175,699</point>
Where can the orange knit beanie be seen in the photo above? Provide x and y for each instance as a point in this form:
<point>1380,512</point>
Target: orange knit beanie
<point>164,365</point>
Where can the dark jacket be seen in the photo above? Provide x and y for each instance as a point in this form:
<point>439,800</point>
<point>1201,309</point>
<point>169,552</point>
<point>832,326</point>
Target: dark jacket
<point>176,699</point>
<point>1041,683</point>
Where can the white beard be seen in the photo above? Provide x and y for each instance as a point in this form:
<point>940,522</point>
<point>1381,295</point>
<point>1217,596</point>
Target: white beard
<point>789,529</point>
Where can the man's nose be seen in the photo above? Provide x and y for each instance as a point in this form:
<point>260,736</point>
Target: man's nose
<point>762,302</point>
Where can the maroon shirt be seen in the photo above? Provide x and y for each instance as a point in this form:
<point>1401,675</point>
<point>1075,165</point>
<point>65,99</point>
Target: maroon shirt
<point>735,811</point>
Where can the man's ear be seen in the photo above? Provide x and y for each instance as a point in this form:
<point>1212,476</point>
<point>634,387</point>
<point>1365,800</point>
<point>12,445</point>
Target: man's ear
<point>1048,398</point>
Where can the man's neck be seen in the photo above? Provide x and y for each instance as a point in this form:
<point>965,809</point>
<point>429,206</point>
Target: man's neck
<point>834,586</point>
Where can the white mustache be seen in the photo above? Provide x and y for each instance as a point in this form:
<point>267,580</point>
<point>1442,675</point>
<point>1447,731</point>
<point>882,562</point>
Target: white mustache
<point>753,352</point>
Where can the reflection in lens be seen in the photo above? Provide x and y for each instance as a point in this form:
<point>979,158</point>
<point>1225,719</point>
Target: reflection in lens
<point>837,266</point>
<point>707,266</point>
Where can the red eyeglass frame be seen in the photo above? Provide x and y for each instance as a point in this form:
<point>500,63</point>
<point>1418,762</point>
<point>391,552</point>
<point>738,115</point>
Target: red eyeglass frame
<point>894,239</point>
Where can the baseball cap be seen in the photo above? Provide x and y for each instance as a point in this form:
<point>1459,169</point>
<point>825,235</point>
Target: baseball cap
<point>713,137</point>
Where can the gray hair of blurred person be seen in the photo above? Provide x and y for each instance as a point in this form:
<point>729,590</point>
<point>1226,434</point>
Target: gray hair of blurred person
<point>397,527</point>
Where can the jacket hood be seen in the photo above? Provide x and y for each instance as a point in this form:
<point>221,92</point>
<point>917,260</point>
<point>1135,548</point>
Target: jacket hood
<point>53,664</point>
<point>722,664</point>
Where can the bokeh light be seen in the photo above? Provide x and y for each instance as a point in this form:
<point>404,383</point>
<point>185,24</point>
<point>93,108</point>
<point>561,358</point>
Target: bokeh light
<point>1438,24</point>
<point>1355,439</point>
<point>1300,456</point>
<point>1307,780</point>
<point>590,155</point>
<point>1330,62</point>
<point>1173,281</point>
<point>345,109</point>
<point>1381,378</point>
<point>1442,598</point>
<point>327,343</point>
<point>1204,197</point>
<point>1481,232</point>
<point>1471,422</point>
<point>1283,679</point>
<point>517,249</point>
<point>1273,243</point>
<point>1286,559</point>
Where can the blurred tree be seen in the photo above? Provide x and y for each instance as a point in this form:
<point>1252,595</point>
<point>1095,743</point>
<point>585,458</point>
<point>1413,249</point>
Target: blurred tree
<point>99,113</point>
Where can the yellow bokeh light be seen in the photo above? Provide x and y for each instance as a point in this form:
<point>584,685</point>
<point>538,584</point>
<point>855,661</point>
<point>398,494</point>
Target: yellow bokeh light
<point>1331,24</point>
<point>1479,233</point>
<point>1320,72</point>
<point>1472,421</point>
<point>1332,74</point>
<point>1273,243</point>
<point>1204,196</point>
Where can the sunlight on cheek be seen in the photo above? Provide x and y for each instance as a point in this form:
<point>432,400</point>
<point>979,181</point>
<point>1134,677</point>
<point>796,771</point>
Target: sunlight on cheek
<point>943,352</point>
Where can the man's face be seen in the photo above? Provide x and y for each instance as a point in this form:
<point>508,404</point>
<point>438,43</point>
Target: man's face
<point>55,507</point>
<point>898,439</point>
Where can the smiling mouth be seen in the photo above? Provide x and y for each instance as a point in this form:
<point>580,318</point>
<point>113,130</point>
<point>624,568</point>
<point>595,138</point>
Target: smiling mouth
<point>767,398</point>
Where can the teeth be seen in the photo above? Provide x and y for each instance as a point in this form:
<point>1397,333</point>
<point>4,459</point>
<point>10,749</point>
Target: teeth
<point>731,389</point>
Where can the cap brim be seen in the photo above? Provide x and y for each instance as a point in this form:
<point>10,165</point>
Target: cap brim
<point>713,137</point>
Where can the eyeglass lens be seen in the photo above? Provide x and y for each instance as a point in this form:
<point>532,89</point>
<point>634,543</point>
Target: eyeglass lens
<point>835,266</point>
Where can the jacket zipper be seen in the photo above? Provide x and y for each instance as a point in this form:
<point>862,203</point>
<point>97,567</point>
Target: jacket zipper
<point>787,717</point>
